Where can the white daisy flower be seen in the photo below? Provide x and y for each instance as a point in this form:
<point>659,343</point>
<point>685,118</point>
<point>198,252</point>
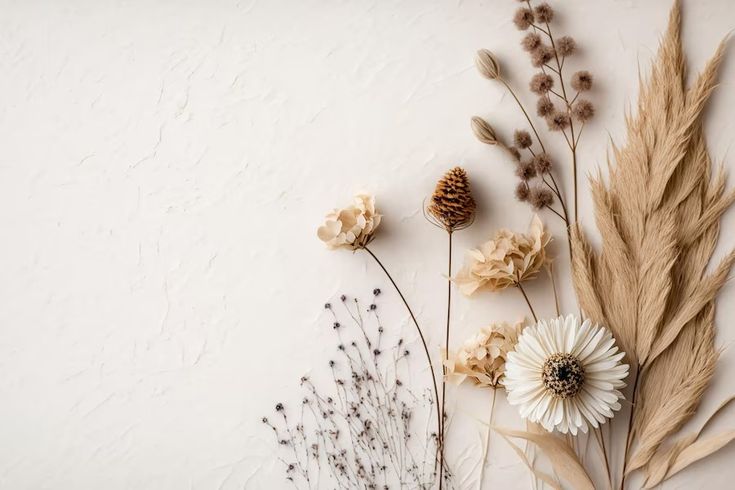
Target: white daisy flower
<point>564,375</point>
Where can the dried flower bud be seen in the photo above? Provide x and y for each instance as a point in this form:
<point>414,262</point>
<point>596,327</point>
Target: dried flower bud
<point>522,139</point>
<point>582,81</point>
<point>483,131</point>
<point>526,170</point>
<point>566,46</point>
<point>540,197</point>
<point>452,205</point>
<point>542,55</point>
<point>544,107</point>
<point>544,13</point>
<point>541,83</point>
<point>531,41</point>
<point>542,162</point>
<point>522,191</point>
<point>514,152</point>
<point>487,65</point>
<point>583,110</point>
<point>523,18</point>
<point>558,121</point>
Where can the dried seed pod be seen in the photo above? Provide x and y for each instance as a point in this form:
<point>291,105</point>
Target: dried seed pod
<point>452,204</point>
<point>582,81</point>
<point>487,65</point>
<point>542,162</point>
<point>523,18</point>
<point>542,55</point>
<point>526,170</point>
<point>522,139</point>
<point>566,46</point>
<point>583,110</point>
<point>522,191</point>
<point>531,41</point>
<point>558,121</point>
<point>540,197</point>
<point>541,83</point>
<point>483,131</point>
<point>544,13</point>
<point>544,107</point>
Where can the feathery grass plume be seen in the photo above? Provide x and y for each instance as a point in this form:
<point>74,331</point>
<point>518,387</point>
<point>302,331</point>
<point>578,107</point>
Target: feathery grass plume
<point>452,205</point>
<point>659,220</point>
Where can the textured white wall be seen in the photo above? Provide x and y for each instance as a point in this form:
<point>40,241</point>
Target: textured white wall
<point>164,165</point>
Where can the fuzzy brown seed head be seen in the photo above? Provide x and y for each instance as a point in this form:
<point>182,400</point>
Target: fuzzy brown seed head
<point>542,162</point>
<point>566,46</point>
<point>558,121</point>
<point>542,55</point>
<point>544,13</point>
<point>487,65</point>
<point>452,204</point>
<point>526,170</point>
<point>544,107</point>
<point>541,83</point>
<point>563,375</point>
<point>515,153</point>
<point>582,81</point>
<point>483,131</point>
<point>540,197</point>
<point>523,18</point>
<point>522,191</point>
<point>522,139</point>
<point>531,41</point>
<point>583,110</point>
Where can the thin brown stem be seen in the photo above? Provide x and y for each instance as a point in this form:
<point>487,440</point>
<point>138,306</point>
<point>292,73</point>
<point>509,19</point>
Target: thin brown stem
<point>440,450</point>
<point>523,109</point>
<point>528,302</point>
<point>556,213</point>
<point>442,435</point>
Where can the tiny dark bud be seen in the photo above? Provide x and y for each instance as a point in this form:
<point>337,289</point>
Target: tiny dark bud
<point>343,297</point>
<point>373,306</point>
<point>327,306</point>
<point>376,291</point>
<point>279,407</point>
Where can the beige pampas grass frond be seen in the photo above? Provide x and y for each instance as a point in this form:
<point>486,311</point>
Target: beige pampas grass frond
<point>659,217</point>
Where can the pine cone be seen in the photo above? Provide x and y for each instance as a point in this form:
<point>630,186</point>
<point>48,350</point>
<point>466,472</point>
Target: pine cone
<point>452,204</point>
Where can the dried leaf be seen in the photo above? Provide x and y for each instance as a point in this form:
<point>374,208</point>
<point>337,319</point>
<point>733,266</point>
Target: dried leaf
<point>562,457</point>
<point>699,450</point>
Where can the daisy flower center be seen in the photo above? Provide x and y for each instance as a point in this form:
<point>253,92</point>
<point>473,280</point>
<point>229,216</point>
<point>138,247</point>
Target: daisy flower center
<point>563,375</point>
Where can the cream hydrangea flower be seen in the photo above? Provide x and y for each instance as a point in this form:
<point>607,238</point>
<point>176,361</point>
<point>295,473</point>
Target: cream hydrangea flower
<point>352,227</point>
<point>506,260</point>
<point>482,357</point>
<point>564,375</point>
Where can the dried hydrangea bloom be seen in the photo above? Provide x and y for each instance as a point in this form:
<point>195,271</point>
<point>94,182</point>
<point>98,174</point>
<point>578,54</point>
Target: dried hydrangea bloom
<point>531,41</point>
<point>481,359</point>
<point>544,107</point>
<point>582,81</point>
<point>541,83</point>
<point>541,56</point>
<point>352,227</point>
<point>566,46</point>
<point>523,18</point>
<point>559,121</point>
<point>583,110</point>
<point>522,139</point>
<point>544,13</point>
<point>506,260</point>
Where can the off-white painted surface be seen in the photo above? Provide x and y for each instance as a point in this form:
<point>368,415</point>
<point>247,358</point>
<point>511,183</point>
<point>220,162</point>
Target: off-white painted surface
<point>164,166</point>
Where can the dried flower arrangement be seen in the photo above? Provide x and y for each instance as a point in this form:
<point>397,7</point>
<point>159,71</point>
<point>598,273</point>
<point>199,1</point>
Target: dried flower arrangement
<point>645,329</point>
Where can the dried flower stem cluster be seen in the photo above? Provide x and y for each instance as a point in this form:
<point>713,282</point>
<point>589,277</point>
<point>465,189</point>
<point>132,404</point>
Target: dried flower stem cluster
<point>370,429</point>
<point>564,112</point>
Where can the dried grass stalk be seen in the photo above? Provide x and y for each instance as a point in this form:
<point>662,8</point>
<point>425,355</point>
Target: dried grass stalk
<point>659,216</point>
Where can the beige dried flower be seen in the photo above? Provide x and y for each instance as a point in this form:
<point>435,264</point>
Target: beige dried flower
<point>523,18</point>
<point>482,357</point>
<point>582,81</point>
<point>583,110</point>
<point>487,65</point>
<point>544,13</point>
<point>483,131</point>
<point>566,46</point>
<point>352,227</point>
<point>452,205</point>
<point>506,260</point>
<point>541,83</point>
<point>544,107</point>
<point>531,41</point>
<point>522,139</point>
<point>542,55</point>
